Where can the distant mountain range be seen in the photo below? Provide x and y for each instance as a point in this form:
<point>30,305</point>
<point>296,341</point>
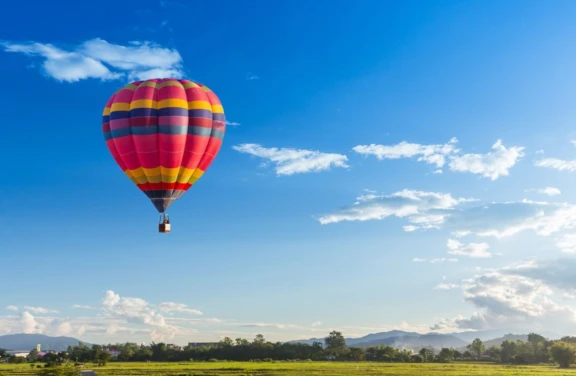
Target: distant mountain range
<point>26,342</point>
<point>415,341</point>
<point>395,338</point>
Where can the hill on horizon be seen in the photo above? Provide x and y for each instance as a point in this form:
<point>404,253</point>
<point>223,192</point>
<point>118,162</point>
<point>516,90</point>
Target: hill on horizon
<point>416,341</point>
<point>26,342</point>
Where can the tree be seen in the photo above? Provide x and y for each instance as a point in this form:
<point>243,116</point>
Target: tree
<point>477,347</point>
<point>539,346</point>
<point>335,342</point>
<point>33,355</point>
<point>563,353</point>
<point>495,353</point>
<point>226,342</point>
<point>259,340</point>
<point>103,357</point>
<point>242,342</point>
<point>426,354</point>
<point>446,355</point>
<point>158,351</point>
<point>357,353</point>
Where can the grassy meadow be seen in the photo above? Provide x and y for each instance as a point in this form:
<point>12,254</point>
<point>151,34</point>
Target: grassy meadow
<point>306,368</point>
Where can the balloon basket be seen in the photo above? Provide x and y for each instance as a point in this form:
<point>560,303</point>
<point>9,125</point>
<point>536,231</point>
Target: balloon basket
<point>164,226</point>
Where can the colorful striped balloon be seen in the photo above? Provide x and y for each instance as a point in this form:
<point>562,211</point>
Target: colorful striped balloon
<point>164,134</point>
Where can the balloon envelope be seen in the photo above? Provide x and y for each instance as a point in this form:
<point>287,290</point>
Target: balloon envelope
<point>164,134</point>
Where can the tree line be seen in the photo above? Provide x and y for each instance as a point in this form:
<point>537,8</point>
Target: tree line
<point>536,349</point>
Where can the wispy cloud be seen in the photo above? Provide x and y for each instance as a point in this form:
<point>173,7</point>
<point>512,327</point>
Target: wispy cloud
<point>294,161</point>
<point>80,306</point>
<point>506,219</point>
<point>548,191</point>
<point>443,260</point>
<point>265,325</point>
<point>252,76</point>
<point>474,250</point>
<point>12,308</point>
<point>98,59</point>
<point>557,164</point>
<point>446,286</point>
<point>232,123</point>
<point>424,210</point>
<point>39,310</point>
<point>431,154</point>
<point>436,260</point>
<point>170,307</point>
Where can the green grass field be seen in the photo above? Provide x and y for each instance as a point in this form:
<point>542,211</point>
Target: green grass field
<point>307,368</point>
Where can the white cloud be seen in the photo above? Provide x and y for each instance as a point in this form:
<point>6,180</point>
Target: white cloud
<point>443,260</point>
<point>491,165</point>
<point>29,323</point>
<point>431,154</point>
<point>98,59</point>
<point>170,307</point>
<point>117,317</point>
<point>266,325</point>
<point>232,123</point>
<point>317,323</point>
<point>251,76</point>
<point>474,250</point>
<point>506,219</point>
<point>137,311</point>
<point>567,243</point>
<point>12,308</point>
<point>446,286</point>
<point>519,296</point>
<point>39,310</point>
<point>80,306</point>
<point>557,164</point>
<point>549,191</point>
<point>424,210</point>
<point>294,161</point>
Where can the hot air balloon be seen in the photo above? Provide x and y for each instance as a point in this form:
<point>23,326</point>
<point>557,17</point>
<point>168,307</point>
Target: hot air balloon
<point>164,134</point>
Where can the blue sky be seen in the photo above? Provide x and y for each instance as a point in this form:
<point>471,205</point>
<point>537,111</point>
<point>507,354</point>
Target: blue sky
<point>388,165</point>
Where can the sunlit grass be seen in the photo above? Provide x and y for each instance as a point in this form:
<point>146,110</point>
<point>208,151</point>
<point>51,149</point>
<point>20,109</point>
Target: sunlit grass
<point>305,368</point>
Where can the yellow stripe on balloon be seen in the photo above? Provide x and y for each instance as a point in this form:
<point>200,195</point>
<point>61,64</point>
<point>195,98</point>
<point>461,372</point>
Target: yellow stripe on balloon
<point>147,83</point>
<point>143,103</point>
<point>195,175</point>
<point>120,106</point>
<point>189,85</point>
<point>217,109</point>
<point>168,83</point>
<point>199,105</point>
<point>173,102</point>
<point>106,111</point>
